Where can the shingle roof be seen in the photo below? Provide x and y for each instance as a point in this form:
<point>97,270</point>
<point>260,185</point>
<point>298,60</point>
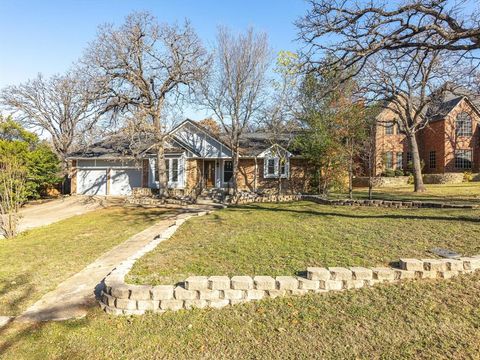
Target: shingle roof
<point>119,146</point>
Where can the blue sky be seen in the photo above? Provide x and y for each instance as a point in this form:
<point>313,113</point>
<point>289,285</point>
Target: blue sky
<point>47,36</point>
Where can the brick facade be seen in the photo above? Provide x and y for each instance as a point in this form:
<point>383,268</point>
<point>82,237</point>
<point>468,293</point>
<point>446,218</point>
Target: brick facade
<point>437,142</point>
<point>251,176</point>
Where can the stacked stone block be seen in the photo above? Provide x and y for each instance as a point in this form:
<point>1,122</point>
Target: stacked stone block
<point>220,291</point>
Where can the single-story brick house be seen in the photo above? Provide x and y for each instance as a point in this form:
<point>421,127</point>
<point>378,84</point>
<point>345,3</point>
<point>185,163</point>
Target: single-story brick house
<point>196,159</point>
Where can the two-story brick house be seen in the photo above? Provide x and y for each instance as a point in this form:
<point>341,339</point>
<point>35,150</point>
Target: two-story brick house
<point>449,143</point>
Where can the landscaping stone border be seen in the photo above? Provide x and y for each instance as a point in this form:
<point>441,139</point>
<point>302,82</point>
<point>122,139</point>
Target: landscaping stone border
<point>320,199</point>
<point>119,298</point>
<point>385,203</point>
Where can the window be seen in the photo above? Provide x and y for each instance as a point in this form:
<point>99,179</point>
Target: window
<point>227,171</point>
<point>271,167</point>
<point>463,125</point>
<point>389,128</point>
<point>463,159</point>
<point>409,157</point>
<point>399,164</point>
<point>283,167</point>
<point>274,165</point>
<point>389,160</point>
<point>174,175</point>
<point>432,159</point>
<point>171,170</point>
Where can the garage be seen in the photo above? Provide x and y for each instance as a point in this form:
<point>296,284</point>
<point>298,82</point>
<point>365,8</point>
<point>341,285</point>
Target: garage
<point>92,181</point>
<point>122,181</point>
<point>108,177</point>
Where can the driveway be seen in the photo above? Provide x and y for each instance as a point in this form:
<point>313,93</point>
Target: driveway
<point>34,215</point>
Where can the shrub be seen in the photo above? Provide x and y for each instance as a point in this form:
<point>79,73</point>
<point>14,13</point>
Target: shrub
<point>398,172</point>
<point>389,173</point>
<point>467,176</point>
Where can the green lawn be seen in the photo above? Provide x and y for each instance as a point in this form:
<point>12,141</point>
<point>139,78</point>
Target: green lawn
<point>283,239</point>
<point>36,261</point>
<point>465,193</point>
<point>415,320</point>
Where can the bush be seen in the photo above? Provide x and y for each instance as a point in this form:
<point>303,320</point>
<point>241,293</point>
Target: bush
<point>467,176</point>
<point>389,173</point>
<point>398,172</point>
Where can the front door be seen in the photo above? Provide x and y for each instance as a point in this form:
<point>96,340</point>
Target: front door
<point>209,174</point>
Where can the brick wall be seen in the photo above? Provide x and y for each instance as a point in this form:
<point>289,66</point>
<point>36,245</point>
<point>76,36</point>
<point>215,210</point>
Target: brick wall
<point>430,139</point>
<point>453,142</point>
<point>388,143</point>
<point>250,178</point>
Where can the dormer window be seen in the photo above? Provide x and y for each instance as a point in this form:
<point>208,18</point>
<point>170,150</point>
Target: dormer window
<point>463,124</point>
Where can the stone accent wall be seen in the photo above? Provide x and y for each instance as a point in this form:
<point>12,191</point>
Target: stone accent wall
<point>247,198</point>
<point>447,178</point>
<point>380,181</point>
<point>385,203</point>
<point>119,298</point>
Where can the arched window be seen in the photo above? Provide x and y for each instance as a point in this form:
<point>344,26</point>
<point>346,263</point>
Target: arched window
<point>463,125</point>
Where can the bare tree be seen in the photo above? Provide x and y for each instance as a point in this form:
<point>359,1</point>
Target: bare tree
<point>278,117</point>
<point>341,33</point>
<point>237,83</point>
<point>406,84</point>
<point>141,67</point>
<point>13,176</point>
<point>62,105</point>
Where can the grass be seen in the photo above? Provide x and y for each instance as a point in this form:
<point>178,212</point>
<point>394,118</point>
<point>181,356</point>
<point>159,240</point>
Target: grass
<point>414,320</point>
<point>465,193</point>
<point>36,261</point>
<point>283,239</point>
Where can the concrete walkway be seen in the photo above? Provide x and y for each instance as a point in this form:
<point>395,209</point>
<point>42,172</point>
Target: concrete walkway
<point>73,297</point>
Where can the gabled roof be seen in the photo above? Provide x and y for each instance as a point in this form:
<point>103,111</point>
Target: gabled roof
<point>446,98</point>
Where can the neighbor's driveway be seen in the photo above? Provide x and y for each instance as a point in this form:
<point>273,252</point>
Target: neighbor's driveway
<point>34,215</point>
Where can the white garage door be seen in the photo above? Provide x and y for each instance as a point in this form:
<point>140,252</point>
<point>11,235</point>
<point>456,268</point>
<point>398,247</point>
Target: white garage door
<point>92,182</point>
<point>122,181</point>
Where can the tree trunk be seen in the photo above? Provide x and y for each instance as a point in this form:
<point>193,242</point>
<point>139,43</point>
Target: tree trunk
<point>161,170</point>
<point>350,178</point>
<point>417,166</point>
<point>235,169</point>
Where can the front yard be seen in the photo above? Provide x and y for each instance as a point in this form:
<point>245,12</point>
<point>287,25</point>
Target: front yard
<point>414,319</point>
<point>283,239</point>
<point>36,261</point>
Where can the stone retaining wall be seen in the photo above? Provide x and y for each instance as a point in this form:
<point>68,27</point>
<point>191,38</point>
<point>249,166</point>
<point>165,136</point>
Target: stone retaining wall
<point>119,298</point>
<point>385,203</point>
<point>247,198</point>
<point>380,181</point>
<point>220,291</point>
